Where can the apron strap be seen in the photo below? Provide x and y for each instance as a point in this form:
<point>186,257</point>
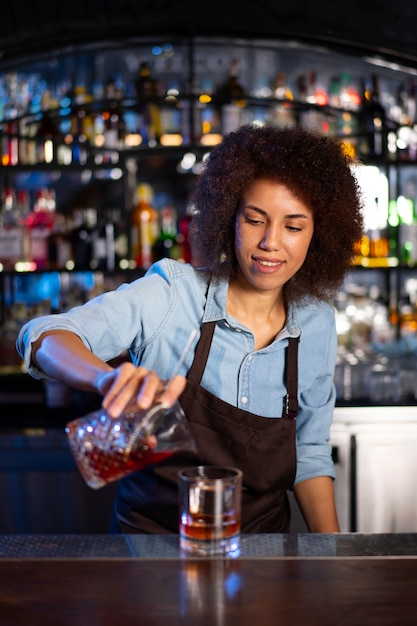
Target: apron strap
<point>201,355</point>
<point>291,399</point>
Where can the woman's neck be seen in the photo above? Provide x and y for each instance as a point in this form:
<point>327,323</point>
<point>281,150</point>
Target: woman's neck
<point>262,312</point>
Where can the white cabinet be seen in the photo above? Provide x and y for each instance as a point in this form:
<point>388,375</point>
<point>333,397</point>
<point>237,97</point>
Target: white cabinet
<point>377,478</point>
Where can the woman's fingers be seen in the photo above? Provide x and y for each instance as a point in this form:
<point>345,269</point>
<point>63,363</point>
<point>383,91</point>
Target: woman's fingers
<point>128,384</point>
<point>173,390</point>
<point>120,388</point>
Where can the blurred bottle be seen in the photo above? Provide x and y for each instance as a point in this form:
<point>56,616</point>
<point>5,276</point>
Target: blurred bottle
<point>144,227</point>
<point>11,113</point>
<point>312,117</point>
<point>232,99</point>
<point>209,125</point>
<point>40,223</point>
<point>373,143</point>
<point>60,254</point>
<point>109,241</point>
<point>183,239</point>
<point>83,234</point>
<point>283,113</point>
<point>48,138</point>
<point>78,112</point>
<point>407,226</point>
<point>147,92</point>
<point>112,116</point>
<point>172,111</point>
<point>11,230</point>
<point>166,245</point>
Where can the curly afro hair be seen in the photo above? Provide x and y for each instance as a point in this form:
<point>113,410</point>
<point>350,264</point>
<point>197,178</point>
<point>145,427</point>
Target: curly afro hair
<point>314,167</point>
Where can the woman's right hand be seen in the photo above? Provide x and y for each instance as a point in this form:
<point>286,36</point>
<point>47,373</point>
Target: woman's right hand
<point>128,384</point>
<point>62,356</point>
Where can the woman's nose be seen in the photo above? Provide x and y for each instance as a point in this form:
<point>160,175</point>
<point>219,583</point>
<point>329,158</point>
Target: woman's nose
<point>272,239</point>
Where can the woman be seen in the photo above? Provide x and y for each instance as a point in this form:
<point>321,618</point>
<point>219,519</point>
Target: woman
<point>277,212</point>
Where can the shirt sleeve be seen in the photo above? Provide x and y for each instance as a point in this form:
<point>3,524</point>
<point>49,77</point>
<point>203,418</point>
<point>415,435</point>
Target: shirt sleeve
<point>315,416</point>
<point>109,324</point>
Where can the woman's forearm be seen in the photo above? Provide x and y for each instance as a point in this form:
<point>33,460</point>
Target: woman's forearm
<point>315,497</point>
<point>62,355</point>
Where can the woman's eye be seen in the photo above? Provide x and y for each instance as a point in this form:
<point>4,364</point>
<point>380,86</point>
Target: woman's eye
<point>294,229</point>
<point>251,220</point>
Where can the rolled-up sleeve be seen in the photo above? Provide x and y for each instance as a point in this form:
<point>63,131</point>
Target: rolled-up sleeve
<point>108,324</point>
<point>317,400</point>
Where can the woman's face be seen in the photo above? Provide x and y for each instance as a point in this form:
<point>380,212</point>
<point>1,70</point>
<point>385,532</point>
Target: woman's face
<point>273,232</point>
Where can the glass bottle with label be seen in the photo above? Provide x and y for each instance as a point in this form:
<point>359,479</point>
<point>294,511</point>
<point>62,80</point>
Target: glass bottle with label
<point>145,227</point>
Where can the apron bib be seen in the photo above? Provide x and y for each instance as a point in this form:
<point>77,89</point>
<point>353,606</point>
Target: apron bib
<point>262,447</point>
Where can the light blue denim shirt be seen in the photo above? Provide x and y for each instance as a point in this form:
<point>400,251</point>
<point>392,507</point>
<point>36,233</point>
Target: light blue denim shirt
<point>153,316</point>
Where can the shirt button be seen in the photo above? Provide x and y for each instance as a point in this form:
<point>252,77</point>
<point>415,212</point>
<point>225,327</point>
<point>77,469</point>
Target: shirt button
<point>244,400</point>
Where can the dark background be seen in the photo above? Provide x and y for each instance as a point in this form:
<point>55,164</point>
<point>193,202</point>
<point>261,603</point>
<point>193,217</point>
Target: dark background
<point>388,27</point>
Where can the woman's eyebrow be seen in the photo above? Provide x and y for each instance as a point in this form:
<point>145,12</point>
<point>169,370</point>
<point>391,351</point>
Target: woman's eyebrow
<point>288,216</point>
<point>298,215</point>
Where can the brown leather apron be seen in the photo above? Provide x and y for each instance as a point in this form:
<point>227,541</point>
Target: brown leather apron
<point>262,447</point>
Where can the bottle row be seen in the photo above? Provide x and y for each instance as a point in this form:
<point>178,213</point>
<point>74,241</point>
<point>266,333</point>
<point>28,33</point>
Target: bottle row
<point>112,101</point>
<point>377,337</point>
<point>40,237</point>
<point>82,232</point>
<point>83,132</point>
<point>389,195</point>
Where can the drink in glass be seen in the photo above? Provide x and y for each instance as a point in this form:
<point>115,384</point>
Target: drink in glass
<point>210,510</point>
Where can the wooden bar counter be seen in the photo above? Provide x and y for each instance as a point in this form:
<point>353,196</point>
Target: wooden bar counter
<point>143,580</point>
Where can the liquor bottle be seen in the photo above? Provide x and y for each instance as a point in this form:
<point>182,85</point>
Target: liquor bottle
<point>23,210</point>
<point>183,236</point>
<point>109,241</point>
<point>407,226</point>
<point>166,244</point>
<point>112,116</point>
<point>373,121</point>
<point>149,119</point>
<point>11,231</point>
<point>11,112</point>
<point>209,125</point>
<point>311,117</point>
<point>83,234</point>
<point>47,139</point>
<point>350,98</point>
<point>171,116</point>
<point>60,254</point>
<point>40,223</point>
<point>144,227</point>
<point>283,113</point>
<point>232,98</point>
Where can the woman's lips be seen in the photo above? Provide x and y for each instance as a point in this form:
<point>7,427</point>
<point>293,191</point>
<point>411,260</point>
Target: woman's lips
<point>267,264</point>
